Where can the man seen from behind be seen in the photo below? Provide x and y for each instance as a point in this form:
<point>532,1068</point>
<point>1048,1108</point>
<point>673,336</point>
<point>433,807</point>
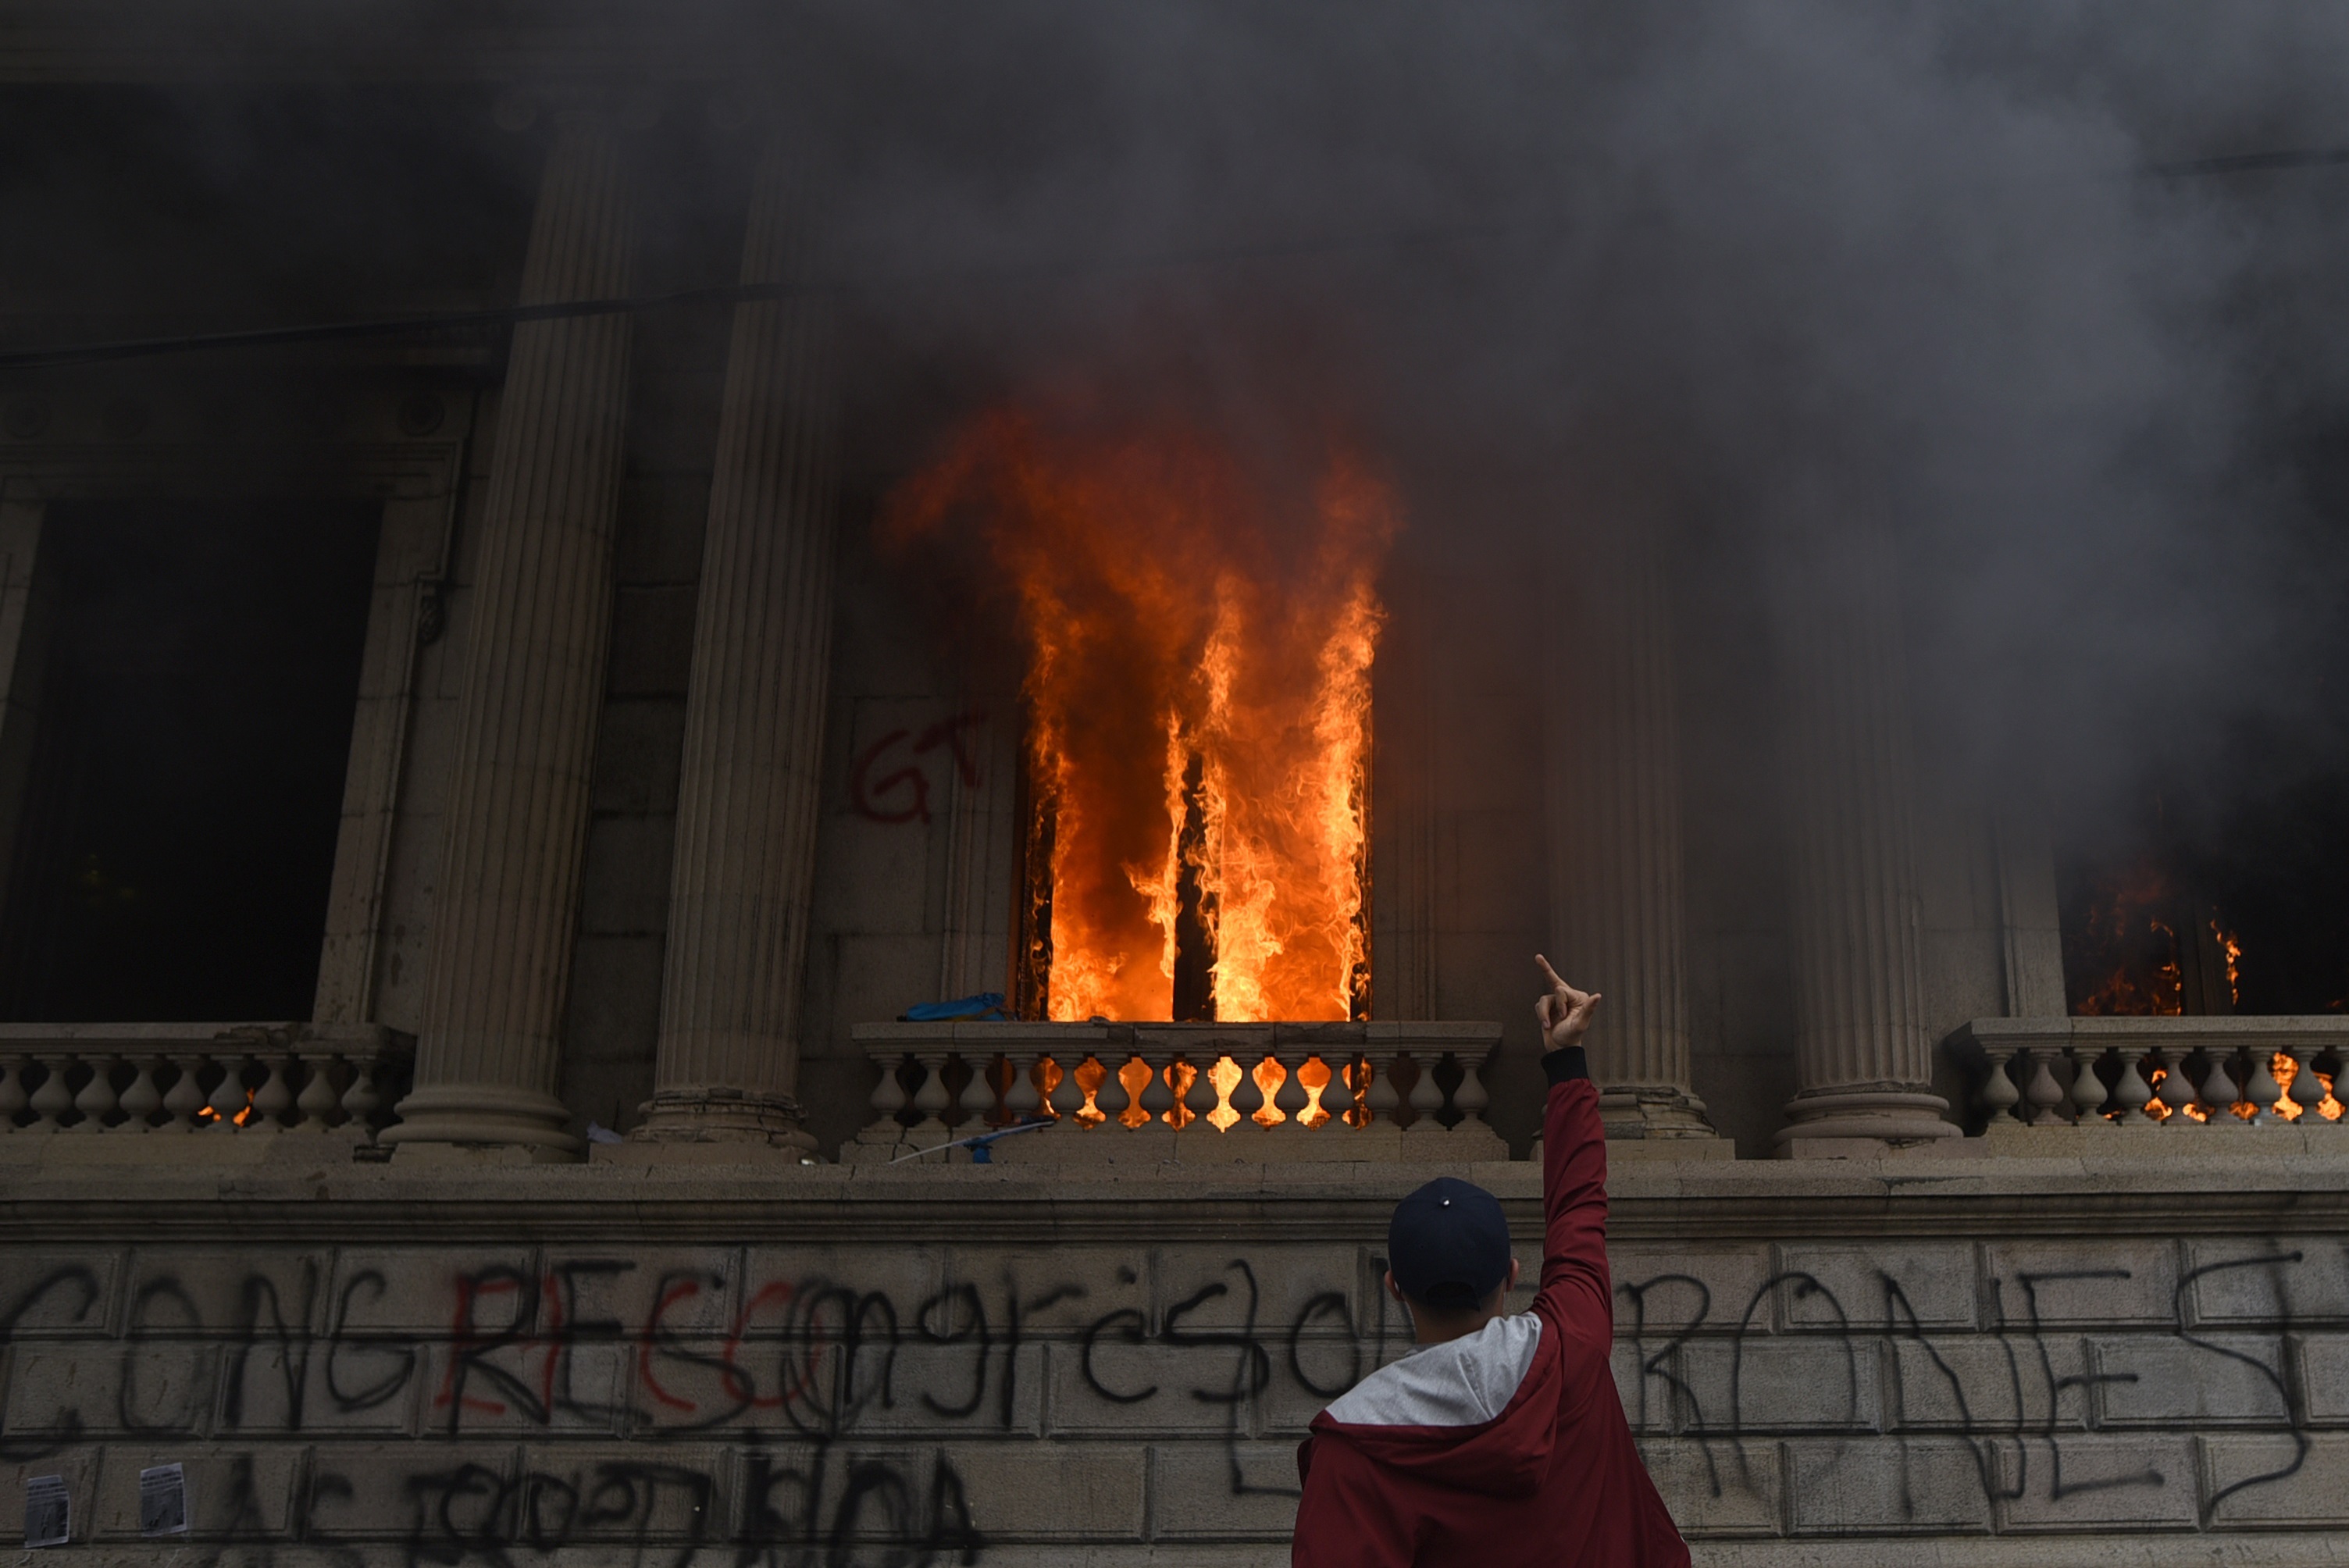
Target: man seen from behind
<point>1500,1440</point>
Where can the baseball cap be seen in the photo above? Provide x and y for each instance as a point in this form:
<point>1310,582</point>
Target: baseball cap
<point>1448,1243</point>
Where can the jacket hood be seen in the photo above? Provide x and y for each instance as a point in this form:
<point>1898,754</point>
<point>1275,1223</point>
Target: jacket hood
<point>1478,1414</point>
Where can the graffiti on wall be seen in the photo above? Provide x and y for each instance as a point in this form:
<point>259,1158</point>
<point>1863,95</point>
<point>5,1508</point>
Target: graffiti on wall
<point>809,1419</point>
<point>890,780</point>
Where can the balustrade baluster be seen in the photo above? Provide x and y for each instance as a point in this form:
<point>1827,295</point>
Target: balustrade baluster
<point>51,1100</point>
<point>272,1099</point>
<point>1470,1097</point>
<point>1248,1095</point>
<point>229,1098</point>
<point>1317,1102</point>
<point>1020,1101</point>
<point>2088,1086</point>
<point>2132,1093</point>
<point>1998,1091</point>
<point>1379,1098</point>
<point>143,1099</point>
<point>1290,1099</point>
<point>2043,1091</point>
<point>889,1095</point>
<point>931,1098</point>
<point>2262,1090</point>
<point>1158,1095</point>
<point>185,1097</point>
<point>1426,1097</point>
<point>315,1104</point>
<point>1111,1100</point>
<point>1068,1095</point>
<point>96,1101</point>
<point>2306,1091</point>
<point>2174,1091</point>
<point>13,1099</point>
<point>2218,1091</point>
<point>360,1101</point>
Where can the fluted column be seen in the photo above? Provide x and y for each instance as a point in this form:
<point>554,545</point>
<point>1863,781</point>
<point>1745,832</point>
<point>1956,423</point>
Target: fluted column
<point>1863,1061</point>
<point>1613,792</point>
<point>516,822</point>
<point>740,889</point>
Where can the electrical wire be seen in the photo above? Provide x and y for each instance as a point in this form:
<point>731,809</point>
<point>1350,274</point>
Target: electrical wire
<point>45,357</point>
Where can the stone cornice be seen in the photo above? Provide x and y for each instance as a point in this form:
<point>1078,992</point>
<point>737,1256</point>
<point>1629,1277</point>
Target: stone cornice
<point>2121,1195</point>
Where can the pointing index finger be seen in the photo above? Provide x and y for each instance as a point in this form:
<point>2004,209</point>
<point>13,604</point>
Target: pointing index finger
<point>1556,984</point>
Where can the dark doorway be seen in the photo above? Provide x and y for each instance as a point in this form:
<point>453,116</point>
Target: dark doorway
<point>178,838</point>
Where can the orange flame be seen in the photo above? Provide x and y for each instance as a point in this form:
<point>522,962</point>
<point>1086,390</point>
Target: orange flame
<point>1199,685</point>
<point>2230,947</point>
<point>2286,1069</point>
<point>2129,939</point>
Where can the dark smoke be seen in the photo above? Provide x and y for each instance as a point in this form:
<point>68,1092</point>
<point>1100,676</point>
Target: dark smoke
<point>1964,274</point>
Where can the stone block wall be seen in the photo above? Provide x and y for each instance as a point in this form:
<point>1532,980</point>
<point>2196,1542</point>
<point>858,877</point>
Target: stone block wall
<point>984,1367</point>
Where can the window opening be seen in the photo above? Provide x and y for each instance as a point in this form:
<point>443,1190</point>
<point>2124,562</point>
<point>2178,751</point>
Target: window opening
<point>196,688</point>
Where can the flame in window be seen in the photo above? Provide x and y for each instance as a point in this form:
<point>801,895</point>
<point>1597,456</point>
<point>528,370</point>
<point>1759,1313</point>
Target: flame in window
<point>1199,643</point>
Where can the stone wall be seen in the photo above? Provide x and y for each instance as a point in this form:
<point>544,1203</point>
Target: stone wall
<point>992,1366</point>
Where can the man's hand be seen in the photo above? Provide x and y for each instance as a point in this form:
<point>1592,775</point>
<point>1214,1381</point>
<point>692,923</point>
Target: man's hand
<point>1565,1013</point>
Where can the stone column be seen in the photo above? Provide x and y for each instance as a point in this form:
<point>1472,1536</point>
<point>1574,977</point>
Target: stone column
<point>1863,1062</point>
<point>1613,791</point>
<point>516,823</point>
<point>740,890</point>
<point>1406,748</point>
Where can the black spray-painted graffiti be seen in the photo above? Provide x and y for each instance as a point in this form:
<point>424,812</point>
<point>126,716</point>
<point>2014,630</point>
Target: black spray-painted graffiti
<point>792,1381</point>
<point>840,1411</point>
<point>2027,1381</point>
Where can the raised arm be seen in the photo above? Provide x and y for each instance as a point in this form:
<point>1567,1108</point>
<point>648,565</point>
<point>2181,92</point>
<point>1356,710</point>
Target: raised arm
<point>1574,1278</point>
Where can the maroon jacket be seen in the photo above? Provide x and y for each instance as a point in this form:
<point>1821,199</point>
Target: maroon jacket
<point>1507,1446</point>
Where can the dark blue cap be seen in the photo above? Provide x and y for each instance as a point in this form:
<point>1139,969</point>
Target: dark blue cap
<point>1448,1243</point>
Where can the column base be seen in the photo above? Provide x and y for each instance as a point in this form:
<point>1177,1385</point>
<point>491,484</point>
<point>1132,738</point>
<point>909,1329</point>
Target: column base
<point>481,1117</point>
<point>751,1123</point>
<point>1869,1123</point>
<point>1652,1110</point>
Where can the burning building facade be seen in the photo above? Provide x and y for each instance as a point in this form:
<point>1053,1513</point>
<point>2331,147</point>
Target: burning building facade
<point>825,995</point>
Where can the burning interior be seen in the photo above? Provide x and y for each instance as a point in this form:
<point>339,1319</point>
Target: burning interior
<point>1198,642</point>
<point>1197,636</point>
<point>2145,937</point>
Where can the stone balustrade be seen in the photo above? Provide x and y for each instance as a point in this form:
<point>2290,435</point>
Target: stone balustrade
<point>1194,1092</point>
<point>218,1081</point>
<point>2213,1075</point>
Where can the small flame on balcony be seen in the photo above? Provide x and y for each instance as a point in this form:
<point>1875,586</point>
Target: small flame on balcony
<point>2159,1109</point>
<point>2285,1070</point>
<point>1199,693</point>
<point>2230,948</point>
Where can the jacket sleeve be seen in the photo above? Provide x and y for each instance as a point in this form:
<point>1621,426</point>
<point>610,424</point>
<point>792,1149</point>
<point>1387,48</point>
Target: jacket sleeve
<point>1574,1278</point>
<point>1347,1517</point>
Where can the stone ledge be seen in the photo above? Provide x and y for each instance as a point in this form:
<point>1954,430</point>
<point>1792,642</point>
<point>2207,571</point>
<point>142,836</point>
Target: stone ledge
<point>1927,1552</point>
<point>2108,1550</point>
<point>2109,1196</point>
